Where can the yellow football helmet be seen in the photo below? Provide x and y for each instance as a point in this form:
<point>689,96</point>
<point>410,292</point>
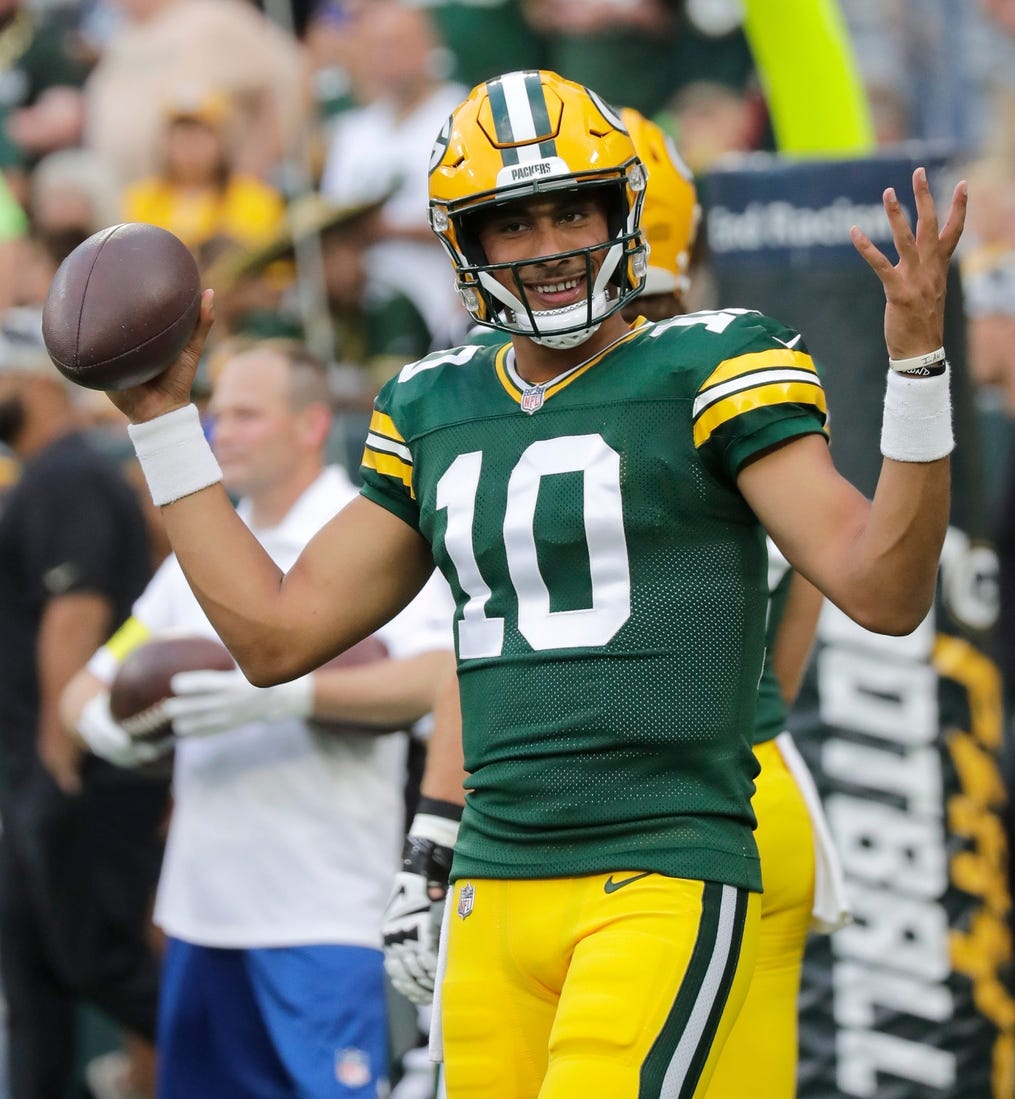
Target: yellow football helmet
<point>529,133</point>
<point>671,212</point>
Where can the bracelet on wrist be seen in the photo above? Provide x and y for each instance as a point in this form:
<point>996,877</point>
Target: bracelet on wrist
<point>925,371</point>
<point>916,365</point>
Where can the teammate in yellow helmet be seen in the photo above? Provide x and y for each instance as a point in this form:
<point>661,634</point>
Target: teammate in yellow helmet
<point>670,215</point>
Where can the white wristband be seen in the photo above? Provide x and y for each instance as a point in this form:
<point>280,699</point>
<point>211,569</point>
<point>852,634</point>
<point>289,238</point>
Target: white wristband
<point>932,358</point>
<point>917,424</point>
<point>174,454</point>
<point>440,830</point>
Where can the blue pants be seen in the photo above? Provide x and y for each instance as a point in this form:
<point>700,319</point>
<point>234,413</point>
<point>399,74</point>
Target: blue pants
<point>304,1022</point>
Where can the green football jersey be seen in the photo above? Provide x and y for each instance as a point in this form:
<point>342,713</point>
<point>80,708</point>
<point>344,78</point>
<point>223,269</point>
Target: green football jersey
<point>610,583</point>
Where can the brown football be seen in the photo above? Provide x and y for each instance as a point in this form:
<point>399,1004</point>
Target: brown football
<point>142,681</point>
<point>122,306</point>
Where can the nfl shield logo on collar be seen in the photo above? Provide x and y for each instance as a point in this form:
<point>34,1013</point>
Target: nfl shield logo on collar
<point>532,399</point>
<point>465,899</point>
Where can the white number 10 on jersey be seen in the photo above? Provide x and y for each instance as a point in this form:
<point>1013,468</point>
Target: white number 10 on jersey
<point>603,518</point>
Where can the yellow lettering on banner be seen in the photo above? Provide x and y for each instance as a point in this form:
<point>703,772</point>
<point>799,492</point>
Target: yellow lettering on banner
<point>1003,1067</point>
<point>980,871</point>
<point>984,950</point>
<point>978,953</point>
<point>956,659</point>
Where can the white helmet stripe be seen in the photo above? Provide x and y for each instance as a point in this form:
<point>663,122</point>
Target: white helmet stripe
<point>516,96</point>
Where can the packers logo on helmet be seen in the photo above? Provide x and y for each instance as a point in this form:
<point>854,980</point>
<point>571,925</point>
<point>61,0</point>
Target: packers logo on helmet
<point>671,213</point>
<point>525,134</point>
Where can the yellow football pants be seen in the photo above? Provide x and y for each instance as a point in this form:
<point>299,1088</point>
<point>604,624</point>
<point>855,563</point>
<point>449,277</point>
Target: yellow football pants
<point>759,1058</point>
<point>621,985</point>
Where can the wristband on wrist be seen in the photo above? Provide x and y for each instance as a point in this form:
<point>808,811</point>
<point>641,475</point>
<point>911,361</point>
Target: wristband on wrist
<point>917,364</point>
<point>439,830</point>
<point>174,454</point>
<point>917,423</point>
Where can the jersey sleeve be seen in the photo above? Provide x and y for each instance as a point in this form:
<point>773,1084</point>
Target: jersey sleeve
<point>386,468</point>
<point>765,392</point>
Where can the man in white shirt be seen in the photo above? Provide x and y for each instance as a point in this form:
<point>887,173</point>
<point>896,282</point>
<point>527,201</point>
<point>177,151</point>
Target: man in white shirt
<point>285,830</point>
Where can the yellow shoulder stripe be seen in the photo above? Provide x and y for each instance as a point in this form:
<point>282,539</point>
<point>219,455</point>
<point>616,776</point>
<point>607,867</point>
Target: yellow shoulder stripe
<point>384,425</point>
<point>390,465</point>
<point>130,636</point>
<point>760,396</point>
<point>758,360</point>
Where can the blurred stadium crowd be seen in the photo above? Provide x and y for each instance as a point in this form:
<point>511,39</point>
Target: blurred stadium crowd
<point>286,142</point>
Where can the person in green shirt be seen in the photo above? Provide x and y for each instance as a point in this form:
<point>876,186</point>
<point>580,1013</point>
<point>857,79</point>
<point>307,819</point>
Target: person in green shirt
<point>597,496</point>
<point>759,1058</point>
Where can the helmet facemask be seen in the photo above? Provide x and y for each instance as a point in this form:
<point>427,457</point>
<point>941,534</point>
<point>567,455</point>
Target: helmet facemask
<point>621,265</point>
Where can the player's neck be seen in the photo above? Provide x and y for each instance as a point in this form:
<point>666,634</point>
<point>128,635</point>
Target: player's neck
<point>537,364</point>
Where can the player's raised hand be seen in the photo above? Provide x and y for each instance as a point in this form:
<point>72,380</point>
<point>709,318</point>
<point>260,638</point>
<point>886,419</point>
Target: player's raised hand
<point>915,286</point>
<point>171,388</point>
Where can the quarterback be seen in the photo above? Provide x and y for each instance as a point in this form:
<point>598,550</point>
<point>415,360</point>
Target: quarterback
<point>802,880</point>
<point>597,495</point>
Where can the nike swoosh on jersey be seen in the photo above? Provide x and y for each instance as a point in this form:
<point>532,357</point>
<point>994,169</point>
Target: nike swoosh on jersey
<point>791,344</point>
<point>611,886</point>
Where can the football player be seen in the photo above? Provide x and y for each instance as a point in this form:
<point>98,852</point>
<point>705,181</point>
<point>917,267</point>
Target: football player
<point>759,1057</point>
<point>597,495</point>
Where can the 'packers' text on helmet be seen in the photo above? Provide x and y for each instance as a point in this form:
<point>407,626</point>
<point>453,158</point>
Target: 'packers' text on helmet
<point>525,134</point>
<point>670,215</point>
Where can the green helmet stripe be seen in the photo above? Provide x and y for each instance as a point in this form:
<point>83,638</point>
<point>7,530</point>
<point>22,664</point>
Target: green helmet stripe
<point>521,117</point>
<point>502,121</point>
<point>540,114</point>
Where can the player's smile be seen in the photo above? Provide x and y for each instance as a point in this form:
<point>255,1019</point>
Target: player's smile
<point>544,292</point>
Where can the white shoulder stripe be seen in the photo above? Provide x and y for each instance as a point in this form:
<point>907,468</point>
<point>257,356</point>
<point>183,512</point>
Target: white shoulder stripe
<point>388,446</point>
<point>750,381</point>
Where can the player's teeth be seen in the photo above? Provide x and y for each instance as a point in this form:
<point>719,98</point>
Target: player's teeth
<point>553,288</point>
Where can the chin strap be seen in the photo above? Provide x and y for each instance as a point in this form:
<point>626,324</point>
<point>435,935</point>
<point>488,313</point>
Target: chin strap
<point>568,339</point>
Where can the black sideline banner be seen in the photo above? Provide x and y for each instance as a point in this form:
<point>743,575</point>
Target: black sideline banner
<point>903,734</point>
